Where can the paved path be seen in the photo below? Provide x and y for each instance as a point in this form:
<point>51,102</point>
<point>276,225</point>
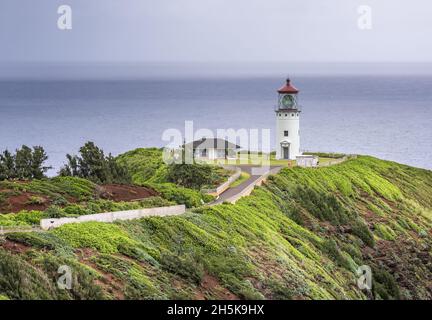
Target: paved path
<point>256,173</point>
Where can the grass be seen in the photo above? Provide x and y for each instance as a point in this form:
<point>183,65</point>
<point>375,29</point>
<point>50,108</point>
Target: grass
<point>147,168</point>
<point>58,190</point>
<point>29,218</point>
<point>244,176</point>
<point>53,188</point>
<point>302,235</point>
<point>324,160</point>
<point>329,155</point>
<point>252,160</point>
<point>104,237</point>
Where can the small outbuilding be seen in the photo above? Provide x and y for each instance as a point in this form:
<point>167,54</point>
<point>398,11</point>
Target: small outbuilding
<point>211,149</point>
<point>307,160</point>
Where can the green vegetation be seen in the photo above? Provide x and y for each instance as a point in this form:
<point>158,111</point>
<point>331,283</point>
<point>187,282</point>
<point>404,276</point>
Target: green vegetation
<point>253,158</point>
<point>22,218</point>
<point>385,232</point>
<point>24,164</point>
<point>196,176</point>
<point>244,176</point>
<point>56,189</point>
<point>92,164</point>
<point>300,236</point>
<point>29,218</point>
<point>189,197</point>
<point>98,206</point>
<point>145,165</point>
<point>180,183</point>
<point>104,237</point>
<point>327,155</point>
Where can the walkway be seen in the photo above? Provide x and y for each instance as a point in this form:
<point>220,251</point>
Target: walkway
<point>257,175</point>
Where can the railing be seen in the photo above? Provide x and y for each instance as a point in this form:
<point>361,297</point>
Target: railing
<point>297,108</point>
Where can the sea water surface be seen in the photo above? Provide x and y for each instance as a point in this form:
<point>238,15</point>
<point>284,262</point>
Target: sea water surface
<point>385,116</point>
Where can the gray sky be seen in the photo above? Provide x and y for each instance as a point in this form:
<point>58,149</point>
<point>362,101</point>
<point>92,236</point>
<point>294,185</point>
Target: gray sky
<point>215,30</point>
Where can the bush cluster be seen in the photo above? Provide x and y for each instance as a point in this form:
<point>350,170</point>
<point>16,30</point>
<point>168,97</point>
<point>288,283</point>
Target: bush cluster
<point>25,164</point>
<point>92,164</point>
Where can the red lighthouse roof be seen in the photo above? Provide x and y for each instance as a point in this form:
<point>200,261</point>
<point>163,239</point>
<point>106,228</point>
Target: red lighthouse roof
<point>288,88</point>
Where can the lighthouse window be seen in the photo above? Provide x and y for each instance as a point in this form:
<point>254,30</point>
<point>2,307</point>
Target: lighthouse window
<point>292,114</point>
<point>285,114</point>
<point>286,133</point>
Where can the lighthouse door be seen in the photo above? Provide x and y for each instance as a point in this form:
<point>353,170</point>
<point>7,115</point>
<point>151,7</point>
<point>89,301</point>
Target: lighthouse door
<point>285,152</point>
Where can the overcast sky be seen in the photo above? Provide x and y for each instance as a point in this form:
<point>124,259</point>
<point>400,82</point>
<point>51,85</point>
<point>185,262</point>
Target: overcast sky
<point>215,30</point>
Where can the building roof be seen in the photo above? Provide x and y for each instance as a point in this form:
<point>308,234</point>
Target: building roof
<point>211,143</point>
<point>288,88</point>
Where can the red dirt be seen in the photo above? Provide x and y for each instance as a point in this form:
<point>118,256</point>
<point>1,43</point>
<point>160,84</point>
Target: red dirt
<point>211,285</point>
<point>119,192</point>
<point>15,247</point>
<point>115,192</point>
<point>16,203</point>
<point>108,282</point>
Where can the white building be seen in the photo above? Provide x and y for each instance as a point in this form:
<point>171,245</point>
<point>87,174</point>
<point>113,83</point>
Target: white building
<point>288,123</point>
<point>307,160</point>
<point>209,148</point>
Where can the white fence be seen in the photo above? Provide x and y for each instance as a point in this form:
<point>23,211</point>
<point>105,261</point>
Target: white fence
<point>47,224</point>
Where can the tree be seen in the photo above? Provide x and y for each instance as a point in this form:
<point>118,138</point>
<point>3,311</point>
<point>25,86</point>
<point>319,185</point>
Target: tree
<point>24,164</point>
<point>92,164</point>
<point>38,158</point>
<point>72,168</point>
<point>7,165</point>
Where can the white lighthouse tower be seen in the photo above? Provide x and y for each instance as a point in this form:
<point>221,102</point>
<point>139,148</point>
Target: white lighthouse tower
<point>288,123</point>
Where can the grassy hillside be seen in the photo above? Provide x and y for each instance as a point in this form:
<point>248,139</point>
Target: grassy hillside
<point>301,236</point>
<point>24,203</point>
<point>147,168</point>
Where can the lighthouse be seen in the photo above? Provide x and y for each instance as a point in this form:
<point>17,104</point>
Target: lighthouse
<point>287,123</point>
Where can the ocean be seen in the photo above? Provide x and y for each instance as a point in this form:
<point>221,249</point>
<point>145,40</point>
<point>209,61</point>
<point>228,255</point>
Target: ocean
<point>389,117</point>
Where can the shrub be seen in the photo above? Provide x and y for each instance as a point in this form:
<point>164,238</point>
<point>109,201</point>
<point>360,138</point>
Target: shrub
<point>92,164</point>
<point>36,200</point>
<point>361,230</point>
<point>384,285</point>
<point>24,164</point>
<point>22,218</point>
<point>105,237</point>
<point>185,266</point>
<point>331,249</point>
<point>20,280</point>
<point>190,198</point>
<point>193,176</point>
<point>145,165</point>
<point>60,201</point>
<point>76,209</point>
<point>54,212</point>
<point>385,232</point>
